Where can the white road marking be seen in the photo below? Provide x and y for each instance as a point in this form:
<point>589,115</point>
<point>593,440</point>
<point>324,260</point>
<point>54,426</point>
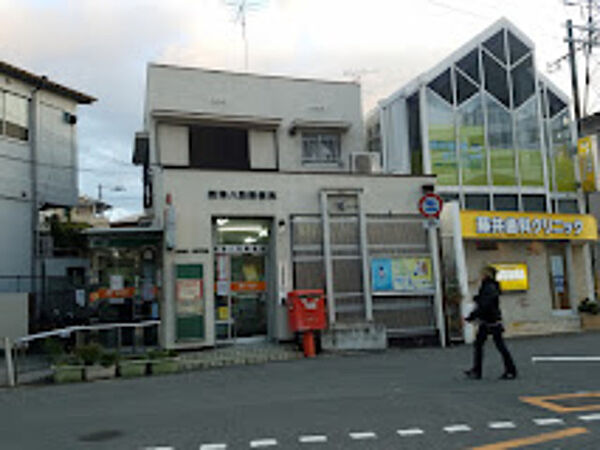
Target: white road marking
<point>457,428</point>
<point>410,432</point>
<point>548,421</point>
<point>501,425</point>
<point>363,435</point>
<point>590,417</point>
<point>260,443</point>
<point>313,439</point>
<point>159,448</point>
<point>535,359</point>
<point>213,446</point>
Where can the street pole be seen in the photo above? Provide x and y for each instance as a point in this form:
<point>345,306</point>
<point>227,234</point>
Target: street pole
<point>573,65</point>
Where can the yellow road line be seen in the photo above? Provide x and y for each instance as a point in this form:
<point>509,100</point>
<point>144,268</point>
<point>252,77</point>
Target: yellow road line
<point>531,440</point>
<point>546,402</point>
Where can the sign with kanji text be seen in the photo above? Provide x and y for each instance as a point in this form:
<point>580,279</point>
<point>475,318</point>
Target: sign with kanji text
<point>531,226</point>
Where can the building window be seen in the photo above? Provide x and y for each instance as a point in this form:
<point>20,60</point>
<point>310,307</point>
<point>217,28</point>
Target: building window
<point>449,197</point>
<point>568,206</point>
<point>320,147</point>
<point>534,203</point>
<point>414,134</point>
<point>479,202</point>
<point>14,111</point>
<point>223,148</point>
<point>506,203</point>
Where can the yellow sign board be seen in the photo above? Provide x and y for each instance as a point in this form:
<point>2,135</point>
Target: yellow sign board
<point>586,154</point>
<point>529,226</point>
<point>512,277</point>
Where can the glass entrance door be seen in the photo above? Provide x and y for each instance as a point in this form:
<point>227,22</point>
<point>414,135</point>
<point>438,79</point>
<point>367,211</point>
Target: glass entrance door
<point>241,294</point>
<point>558,278</point>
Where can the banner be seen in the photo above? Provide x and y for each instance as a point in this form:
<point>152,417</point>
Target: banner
<point>586,154</point>
<point>402,274</point>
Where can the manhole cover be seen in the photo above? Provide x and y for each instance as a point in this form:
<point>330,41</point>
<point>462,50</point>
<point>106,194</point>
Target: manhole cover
<point>102,435</point>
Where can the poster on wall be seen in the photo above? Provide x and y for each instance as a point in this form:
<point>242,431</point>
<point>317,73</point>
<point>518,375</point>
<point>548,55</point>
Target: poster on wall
<point>189,301</point>
<point>402,274</point>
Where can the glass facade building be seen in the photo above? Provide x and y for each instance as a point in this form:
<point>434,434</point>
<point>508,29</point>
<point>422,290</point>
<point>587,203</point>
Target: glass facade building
<point>487,124</point>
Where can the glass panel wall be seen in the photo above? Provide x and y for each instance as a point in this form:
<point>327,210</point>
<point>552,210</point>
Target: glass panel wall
<point>528,145</point>
<point>500,140</point>
<point>471,142</point>
<point>562,159</point>
<point>442,144</point>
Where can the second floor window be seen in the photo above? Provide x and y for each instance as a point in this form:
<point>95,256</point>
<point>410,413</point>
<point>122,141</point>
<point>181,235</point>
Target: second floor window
<point>14,112</point>
<point>320,147</point>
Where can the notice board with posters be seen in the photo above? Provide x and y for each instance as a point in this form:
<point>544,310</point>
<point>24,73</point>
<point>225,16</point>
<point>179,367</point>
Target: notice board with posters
<point>189,301</point>
<point>411,274</point>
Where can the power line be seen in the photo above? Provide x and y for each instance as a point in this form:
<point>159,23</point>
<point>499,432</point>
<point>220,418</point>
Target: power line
<point>62,166</point>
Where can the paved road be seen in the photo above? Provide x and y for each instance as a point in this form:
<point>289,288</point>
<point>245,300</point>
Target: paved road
<point>403,398</point>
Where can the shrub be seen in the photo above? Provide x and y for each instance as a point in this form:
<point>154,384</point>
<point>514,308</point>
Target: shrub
<point>89,353</point>
<point>108,359</point>
<point>53,348</point>
<point>588,306</point>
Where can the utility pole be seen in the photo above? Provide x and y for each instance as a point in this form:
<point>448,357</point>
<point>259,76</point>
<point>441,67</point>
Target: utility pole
<point>573,64</point>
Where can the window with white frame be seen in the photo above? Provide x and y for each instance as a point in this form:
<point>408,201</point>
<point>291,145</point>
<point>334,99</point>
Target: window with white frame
<point>320,147</point>
<point>14,115</point>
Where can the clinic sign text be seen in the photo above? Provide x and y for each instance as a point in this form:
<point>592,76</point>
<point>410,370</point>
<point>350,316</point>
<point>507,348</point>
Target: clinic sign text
<point>517,225</point>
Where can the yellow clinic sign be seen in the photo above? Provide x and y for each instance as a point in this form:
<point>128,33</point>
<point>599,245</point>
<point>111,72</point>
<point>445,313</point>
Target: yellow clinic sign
<point>529,226</point>
<point>586,154</point>
<point>512,277</point>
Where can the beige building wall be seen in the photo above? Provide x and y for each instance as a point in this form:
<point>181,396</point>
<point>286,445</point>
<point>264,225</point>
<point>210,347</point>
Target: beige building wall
<point>14,316</point>
<point>531,312</point>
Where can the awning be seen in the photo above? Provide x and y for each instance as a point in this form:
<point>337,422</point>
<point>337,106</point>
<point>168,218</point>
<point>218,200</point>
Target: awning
<point>328,125</point>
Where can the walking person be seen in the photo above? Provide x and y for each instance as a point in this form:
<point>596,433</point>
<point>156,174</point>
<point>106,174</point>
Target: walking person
<point>487,313</point>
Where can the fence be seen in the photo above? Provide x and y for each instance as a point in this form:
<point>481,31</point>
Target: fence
<point>26,359</point>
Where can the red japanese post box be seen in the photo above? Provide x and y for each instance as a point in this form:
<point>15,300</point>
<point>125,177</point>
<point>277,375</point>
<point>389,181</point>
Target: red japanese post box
<point>306,310</point>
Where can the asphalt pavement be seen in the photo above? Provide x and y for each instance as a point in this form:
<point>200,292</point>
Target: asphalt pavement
<point>400,398</point>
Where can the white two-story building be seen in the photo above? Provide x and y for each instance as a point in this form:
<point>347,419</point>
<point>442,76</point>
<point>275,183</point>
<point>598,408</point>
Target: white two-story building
<point>38,151</point>
<point>261,186</point>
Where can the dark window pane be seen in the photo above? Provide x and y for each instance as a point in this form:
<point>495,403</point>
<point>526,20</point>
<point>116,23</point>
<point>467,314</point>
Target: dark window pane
<point>543,100</point>
<point>534,203</point>
<point>568,207</point>
<point>16,131</point>
<point>495,45</point>
<point>516,48</point>
<point>441,86</point>
<point>495,79</point>
<point>506,203</point>
<point>447,197</point>
<point>556,104</point>
<point>464,88</point>
<point>523,80</point>
<point>414,134</point>
<point>470,65</point>
<point>219,148</point>
<point>478,202</point>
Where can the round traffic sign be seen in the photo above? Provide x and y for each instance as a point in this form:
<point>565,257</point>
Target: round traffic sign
<point>430,205</point>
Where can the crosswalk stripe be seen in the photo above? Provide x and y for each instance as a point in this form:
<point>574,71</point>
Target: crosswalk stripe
<point>410,432</point>
<point>213,446</point>
<point>363,435</point>
<point>548,421</point>
<point>313,439</point>
<point>457,428</point>
<point>260,443</point>
<point>501,425</point>
<point>590,417</point>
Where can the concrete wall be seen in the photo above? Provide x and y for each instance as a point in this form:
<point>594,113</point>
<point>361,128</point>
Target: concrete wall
<point>296,194</point>
<point>529,312</point>
<point>15,244</point>
<point>13,315</point>
<point>227,95</point>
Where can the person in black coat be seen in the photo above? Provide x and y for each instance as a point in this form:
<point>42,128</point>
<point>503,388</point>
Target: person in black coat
<point>487,313</point>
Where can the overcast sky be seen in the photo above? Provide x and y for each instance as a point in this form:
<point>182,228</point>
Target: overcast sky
<point>101,47</point>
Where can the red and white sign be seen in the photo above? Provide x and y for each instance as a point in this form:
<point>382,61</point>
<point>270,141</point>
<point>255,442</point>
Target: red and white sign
<point>430,205</point>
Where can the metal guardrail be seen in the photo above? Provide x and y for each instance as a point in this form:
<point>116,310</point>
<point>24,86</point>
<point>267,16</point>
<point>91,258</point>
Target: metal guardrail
<point>66,332</point>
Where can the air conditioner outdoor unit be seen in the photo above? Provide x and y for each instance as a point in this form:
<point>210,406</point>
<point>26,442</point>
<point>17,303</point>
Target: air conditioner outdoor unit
<point>365,162</point>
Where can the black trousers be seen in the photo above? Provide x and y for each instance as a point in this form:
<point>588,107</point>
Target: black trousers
<point>496,331</point>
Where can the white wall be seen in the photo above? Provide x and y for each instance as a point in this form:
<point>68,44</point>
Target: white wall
<point>229,95</point>
<point>13,315</point>
<point>296,194</point>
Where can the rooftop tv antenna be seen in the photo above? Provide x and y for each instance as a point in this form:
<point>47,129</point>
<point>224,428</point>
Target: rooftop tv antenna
<point>241,9</point>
